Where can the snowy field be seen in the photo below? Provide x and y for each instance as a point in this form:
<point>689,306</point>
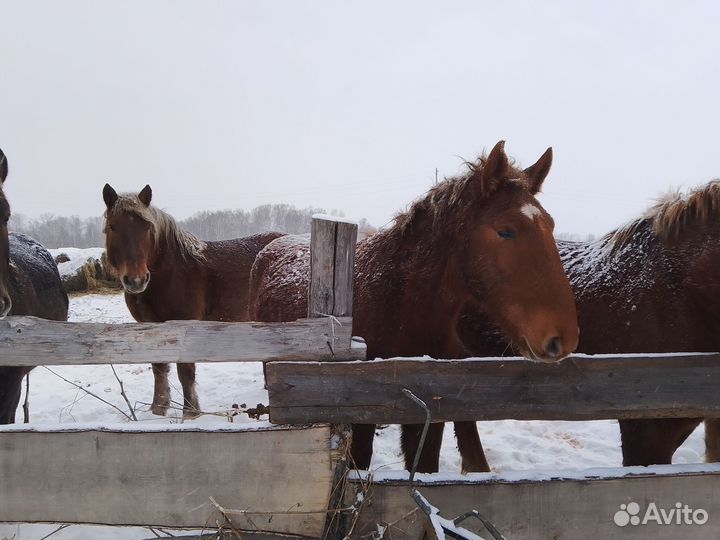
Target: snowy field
<point>510,445</point>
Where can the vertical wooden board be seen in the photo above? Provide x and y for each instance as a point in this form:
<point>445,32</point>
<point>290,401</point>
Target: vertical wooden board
<point>281,477</point>
<point>567,509</point>
<point>346,238</point>
<point>322,267</point>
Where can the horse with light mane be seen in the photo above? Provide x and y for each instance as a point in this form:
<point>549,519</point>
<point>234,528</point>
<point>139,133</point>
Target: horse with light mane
<point>169,274</point>
<point>29,285</point>
<point>480,241</point>
<point>653,286</point>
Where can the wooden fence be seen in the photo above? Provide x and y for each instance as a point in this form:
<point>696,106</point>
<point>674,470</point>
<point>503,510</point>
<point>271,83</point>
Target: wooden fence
<point>287,480</point>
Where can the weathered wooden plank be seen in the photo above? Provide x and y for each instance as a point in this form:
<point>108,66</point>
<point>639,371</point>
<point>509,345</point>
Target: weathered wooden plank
<point>346,238</point>
<point>578,388</point>
<point>272,480</point>
<point>322,267</point>
<point>29,341</point>
<point>558,509</point>
<point>332,261</point>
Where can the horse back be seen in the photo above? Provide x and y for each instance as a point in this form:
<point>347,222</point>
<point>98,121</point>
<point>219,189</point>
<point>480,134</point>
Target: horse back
<point>279,280</point>
<point>229,263</point>
<point>35,285</point>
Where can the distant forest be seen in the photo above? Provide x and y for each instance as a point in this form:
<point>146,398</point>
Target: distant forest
<point>59,231</point>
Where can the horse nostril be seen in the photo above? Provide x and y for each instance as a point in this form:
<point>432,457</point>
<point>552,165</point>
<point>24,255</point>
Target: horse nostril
<point>553,347</point>
<point>126,280</point>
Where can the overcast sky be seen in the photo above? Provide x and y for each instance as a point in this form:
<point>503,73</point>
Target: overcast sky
<point>353,105</point>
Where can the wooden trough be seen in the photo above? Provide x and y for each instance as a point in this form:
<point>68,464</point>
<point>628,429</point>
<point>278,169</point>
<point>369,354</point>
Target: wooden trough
<point>172,476</point>
<point>284,480</point>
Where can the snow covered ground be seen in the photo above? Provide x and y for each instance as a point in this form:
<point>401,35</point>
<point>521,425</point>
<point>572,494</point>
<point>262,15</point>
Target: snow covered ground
<point>510,445</point>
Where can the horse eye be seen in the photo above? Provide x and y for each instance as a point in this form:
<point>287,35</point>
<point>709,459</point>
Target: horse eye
<point>5,220</point>
<point>111,227</point>
<point>507,234</point>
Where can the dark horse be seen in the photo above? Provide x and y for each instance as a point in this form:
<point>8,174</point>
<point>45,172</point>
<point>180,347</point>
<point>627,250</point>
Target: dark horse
<point>169,274</point>
<point>653,286</point>
<point>29,285</point>
<point>480,241</point>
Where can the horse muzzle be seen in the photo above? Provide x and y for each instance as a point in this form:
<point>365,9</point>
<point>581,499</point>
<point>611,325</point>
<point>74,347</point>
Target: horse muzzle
<point>134,284</point>
<point>552,349</point>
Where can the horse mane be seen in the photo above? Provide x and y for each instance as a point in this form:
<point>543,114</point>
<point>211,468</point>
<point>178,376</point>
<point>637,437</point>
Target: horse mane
<point>165,228</point>
<point>446,203</point>
<point>672,213</point>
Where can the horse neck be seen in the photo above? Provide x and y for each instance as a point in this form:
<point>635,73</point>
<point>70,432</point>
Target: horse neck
<point>398,309</point>
<point>634,297</point>
<point>698,257</point>
<point>167,257</point>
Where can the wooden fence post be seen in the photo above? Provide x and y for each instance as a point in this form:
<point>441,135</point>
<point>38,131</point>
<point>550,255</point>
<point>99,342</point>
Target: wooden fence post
<point>332,260</point>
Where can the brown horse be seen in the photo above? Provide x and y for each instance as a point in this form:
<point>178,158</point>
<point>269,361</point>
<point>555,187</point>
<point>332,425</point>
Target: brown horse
<point>480,241</point>
<point>29,285</point>
<point>168,274</point>
<point>653,286</point>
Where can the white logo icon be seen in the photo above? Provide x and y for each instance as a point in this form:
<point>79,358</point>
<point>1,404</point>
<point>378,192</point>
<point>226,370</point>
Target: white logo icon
<point>628,514</point>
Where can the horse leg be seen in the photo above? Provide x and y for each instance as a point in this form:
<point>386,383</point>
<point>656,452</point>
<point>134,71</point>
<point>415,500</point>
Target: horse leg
<point>161,393</point>
<point>361,447</point>
<point>191,404</point>
<point>712,439</point>
<point>470,447</point>
<point>430,455</point>
<point>10,389</point>
<point>653,442</point>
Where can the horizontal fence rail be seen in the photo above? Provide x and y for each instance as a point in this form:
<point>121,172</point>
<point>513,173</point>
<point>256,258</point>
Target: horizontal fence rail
<point>29,341</point>
<point>578,388</point>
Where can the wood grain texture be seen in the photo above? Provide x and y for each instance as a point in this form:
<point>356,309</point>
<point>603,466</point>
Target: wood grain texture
<point>166,478</point>
<point>579,388</point>
<point>322,267</point>
<point>346,238</point>
<point>332,262</point>
<point>547,510</point>
<point>29,341</point>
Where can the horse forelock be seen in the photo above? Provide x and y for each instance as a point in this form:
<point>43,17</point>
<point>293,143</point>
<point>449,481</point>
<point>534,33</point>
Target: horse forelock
<point>449,204</point>
<point>672,214</point>
<point>165,228</point>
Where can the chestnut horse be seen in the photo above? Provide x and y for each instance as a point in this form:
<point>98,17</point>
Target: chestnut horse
<point>480,241</point>
<point>29,285</point>
<point>169,274</point>
<point>653,286</point>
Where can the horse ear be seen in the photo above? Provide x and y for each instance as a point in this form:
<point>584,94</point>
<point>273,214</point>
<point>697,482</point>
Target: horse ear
<point>536,173</point>
<point>145,195</point>
<point>3,167</point>
<point>110,196</point>
<point>496,167</point>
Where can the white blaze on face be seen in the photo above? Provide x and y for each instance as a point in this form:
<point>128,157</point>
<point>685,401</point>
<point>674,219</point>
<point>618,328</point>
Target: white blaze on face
<point>530,211</point>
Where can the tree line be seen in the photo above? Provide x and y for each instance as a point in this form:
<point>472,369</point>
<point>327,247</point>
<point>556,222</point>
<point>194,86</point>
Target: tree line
<point>61,231</point>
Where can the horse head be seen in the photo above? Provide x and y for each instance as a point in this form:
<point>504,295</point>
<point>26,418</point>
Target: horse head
<point>509,260</point>
<point>129,237</point>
